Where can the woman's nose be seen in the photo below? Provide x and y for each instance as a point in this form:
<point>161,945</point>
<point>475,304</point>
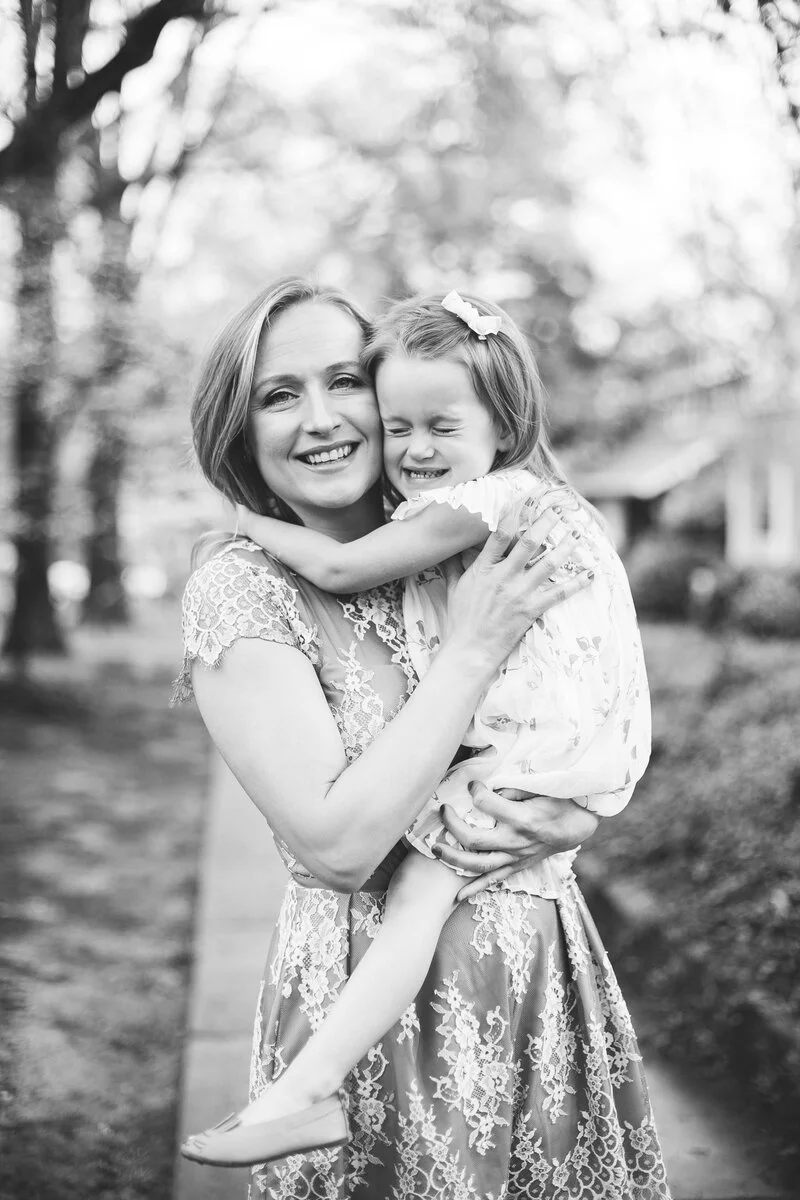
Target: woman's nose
<point>320,413</point>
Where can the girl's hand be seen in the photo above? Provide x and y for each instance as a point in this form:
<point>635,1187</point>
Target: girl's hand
<point>497,600</point>
<point>527,830</point>
<point>243,519</point>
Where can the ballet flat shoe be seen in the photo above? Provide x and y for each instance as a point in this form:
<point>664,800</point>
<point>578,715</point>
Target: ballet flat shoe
<point>232,1144</point>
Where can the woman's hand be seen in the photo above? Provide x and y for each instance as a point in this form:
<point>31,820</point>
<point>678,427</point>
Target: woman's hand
<point>527,830</point>
<point>497,600</point>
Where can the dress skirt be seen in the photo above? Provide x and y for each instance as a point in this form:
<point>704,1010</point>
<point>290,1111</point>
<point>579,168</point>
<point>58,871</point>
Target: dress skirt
<point>515,1073</point>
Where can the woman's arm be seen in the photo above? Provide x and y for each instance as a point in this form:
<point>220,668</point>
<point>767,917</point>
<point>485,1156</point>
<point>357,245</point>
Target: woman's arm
<point>268,716</point>
<point>393,551</point>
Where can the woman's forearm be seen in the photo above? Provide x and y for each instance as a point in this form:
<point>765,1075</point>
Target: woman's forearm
<point>270,720</point>
<point>374,801</point>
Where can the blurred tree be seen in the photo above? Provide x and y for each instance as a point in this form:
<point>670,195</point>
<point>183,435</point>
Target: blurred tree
<point>58,96</point>
<point>781,20</point>
<point>185,123</point>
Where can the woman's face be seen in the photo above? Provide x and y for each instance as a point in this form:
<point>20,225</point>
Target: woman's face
<point>314,426</point>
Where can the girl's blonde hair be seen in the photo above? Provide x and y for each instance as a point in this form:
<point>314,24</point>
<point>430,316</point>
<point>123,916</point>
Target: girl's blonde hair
<point>221,406</point>
<point>502,368</point>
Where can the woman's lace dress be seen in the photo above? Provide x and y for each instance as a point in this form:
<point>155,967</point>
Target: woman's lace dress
<point>516,1072</point>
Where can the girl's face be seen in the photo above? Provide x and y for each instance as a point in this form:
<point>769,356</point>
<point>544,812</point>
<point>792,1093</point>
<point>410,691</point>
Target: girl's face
<point>314,428</point>
<point>436,432</point>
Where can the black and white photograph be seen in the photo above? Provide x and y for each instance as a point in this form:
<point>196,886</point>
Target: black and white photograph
<point>399,600</point>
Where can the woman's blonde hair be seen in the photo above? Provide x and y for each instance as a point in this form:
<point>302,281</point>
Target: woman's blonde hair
<point>502,368</point>
<point>221,406</point>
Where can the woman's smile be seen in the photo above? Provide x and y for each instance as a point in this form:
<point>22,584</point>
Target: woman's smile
<point>314,425</point>
<point>329,456</point>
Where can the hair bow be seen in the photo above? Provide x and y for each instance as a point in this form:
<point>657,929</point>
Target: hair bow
<point>469,314</point>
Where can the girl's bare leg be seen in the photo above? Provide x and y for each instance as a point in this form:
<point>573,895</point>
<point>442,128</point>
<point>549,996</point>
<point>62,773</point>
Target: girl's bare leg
<point>420,898</point>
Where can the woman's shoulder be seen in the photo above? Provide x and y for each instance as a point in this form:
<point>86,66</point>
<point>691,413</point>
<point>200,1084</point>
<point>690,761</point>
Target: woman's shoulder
<point>222,557</point>
<point>237,592</point>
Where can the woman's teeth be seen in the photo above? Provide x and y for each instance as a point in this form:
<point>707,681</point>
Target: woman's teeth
<point>324,456</point>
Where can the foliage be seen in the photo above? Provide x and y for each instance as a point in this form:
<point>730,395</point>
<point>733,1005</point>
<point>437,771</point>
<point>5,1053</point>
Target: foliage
<point>660,569</point>
<point>713,829</point>
<point>767,603</point>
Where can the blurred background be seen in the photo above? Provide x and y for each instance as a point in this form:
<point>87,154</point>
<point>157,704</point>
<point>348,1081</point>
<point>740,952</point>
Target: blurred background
<point>623,178</point>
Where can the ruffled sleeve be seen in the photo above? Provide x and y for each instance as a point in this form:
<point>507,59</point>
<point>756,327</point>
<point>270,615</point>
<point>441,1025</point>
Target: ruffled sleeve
<point>489,497</point>
<point>234,596</point>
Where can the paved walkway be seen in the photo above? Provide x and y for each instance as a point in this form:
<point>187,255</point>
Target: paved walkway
<point>710,1155</point>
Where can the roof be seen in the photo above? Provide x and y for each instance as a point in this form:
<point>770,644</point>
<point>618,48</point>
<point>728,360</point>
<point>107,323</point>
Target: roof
<point>646,468</point>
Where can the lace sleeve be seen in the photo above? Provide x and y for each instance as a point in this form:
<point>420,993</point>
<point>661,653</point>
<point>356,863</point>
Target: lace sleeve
<point>229,598</point>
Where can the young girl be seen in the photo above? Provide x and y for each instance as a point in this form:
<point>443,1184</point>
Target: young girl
<point>568,715</point>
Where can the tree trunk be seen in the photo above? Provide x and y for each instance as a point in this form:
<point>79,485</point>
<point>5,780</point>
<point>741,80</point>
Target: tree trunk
<point>32,626</point>
<point>114,285</point>
<point>106,603</point>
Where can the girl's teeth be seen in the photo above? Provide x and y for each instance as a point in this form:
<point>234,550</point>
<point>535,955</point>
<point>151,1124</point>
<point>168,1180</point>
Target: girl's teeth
<point>329,455</point>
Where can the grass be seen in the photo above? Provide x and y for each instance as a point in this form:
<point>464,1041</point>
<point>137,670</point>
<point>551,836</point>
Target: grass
<point>714,828</point>
<point>102,799</point>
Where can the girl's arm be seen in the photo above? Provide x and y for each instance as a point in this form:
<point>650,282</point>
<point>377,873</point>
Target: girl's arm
<point>393,551</point>
<point>268,716</point>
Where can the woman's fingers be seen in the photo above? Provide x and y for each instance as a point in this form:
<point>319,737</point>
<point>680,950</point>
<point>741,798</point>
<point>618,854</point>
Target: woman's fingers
<point>506,811</point>
<point>495,548</point>
<point>561,592</point>
<point>472,838</point>
<point>486,880</point>
<point>473,863</point>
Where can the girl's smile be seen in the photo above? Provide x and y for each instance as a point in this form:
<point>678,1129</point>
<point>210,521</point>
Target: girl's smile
<point>436,432</point>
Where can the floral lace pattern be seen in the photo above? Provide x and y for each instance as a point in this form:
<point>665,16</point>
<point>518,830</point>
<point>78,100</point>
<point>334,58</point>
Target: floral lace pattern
<point>519,1008</point>
<point>230,598</point>
<point>475,1094</point>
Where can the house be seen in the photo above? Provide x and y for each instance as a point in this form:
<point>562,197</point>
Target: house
<point>762,492</point>
<point>630,485</point>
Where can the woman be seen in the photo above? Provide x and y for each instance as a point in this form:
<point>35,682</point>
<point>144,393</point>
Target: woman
<point>516,1072</point>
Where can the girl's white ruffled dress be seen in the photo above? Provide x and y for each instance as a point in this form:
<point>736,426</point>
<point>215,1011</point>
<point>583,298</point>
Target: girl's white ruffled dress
<point>568,714</point>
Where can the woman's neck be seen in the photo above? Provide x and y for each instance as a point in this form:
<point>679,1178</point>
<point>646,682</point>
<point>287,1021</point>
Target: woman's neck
<point>348,524</point>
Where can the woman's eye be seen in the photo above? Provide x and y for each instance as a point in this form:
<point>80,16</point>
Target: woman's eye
<point>275,399</point>
<point>347,382</point>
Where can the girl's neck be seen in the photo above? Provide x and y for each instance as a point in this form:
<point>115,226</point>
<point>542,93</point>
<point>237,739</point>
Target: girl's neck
<point>348,524</point>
